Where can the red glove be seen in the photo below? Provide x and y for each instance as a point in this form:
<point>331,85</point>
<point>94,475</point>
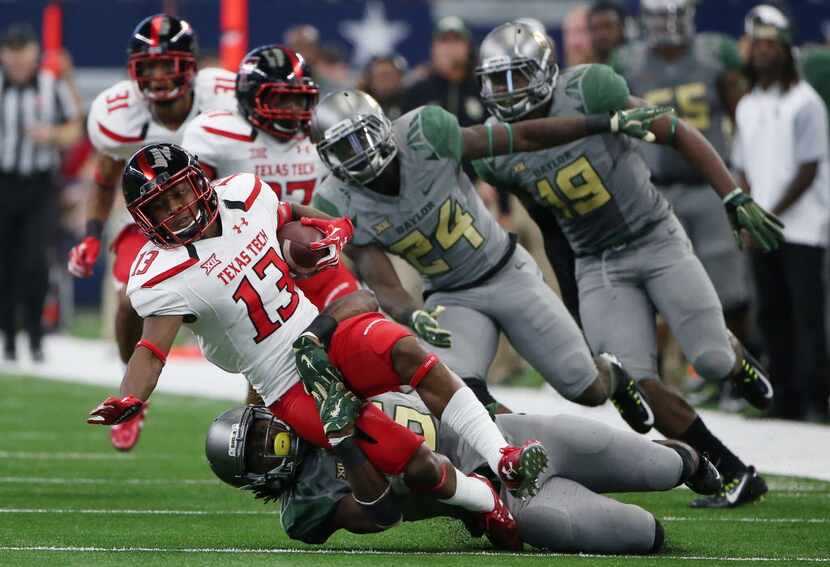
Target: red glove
<point>83,256</point>
<point>336,234</point>
<point>113,411</point>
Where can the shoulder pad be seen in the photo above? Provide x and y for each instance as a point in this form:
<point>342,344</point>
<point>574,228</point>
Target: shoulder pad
<point>154,266</point>
<point>214,135</point>
<point>242,190</point>
<point>215,89</point>
<point>118,121</point>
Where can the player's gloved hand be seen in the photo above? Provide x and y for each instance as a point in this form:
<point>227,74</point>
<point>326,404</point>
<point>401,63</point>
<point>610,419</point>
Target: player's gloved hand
<point>744,213</point>
<point>425,325</point>
<point>317,373</point>
<point>338,412</point>
<point>336,234</point>
<point>635,122</point>
<point>267,490</point>
<point>83,256</point>
<point>113,411</point>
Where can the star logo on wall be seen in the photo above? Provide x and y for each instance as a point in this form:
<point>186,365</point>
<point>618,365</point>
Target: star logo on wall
<point>374,35</point>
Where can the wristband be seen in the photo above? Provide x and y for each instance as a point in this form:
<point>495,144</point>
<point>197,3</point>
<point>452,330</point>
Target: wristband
<point>597,123</point>
<point>285,213</point>
<point>323,327</point>
<point>734,193</point>
<point>349,453</point>
<point>154,350</point>
<point>428,364</point>
<point>95,228</point>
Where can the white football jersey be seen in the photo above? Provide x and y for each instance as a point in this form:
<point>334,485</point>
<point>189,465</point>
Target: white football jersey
<point>225,141</point>
<point>120,122</point>
<point>235,290</point>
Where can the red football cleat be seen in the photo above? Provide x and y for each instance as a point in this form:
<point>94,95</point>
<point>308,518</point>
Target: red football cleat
<point>125,435</point>
<point>499,525</point>
<point>520,467</point>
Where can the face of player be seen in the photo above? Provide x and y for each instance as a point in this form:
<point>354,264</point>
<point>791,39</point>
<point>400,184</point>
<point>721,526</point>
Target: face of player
<point>293,102</point>
<point>767,56</point>
<point>606,33</point>
<point>178,207</point>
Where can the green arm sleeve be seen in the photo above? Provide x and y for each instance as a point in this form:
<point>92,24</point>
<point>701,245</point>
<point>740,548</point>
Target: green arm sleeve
<point>728,54</point>
<point>439,131</point>
<point>603,90</point>
<point>322,204</point>
<point>486,169</point>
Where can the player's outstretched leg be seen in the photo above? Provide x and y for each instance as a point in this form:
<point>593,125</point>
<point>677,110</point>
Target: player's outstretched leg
<point>626,395</point>
<point>749,377</point>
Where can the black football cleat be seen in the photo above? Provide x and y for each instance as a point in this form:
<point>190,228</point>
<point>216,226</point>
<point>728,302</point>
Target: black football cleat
<point>745,487</point>
<point>628,399</point>
<point>751,381</point>
<point>699,474</point>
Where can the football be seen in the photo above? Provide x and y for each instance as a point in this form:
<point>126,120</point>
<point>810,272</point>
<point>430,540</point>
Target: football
<point>294,238</point>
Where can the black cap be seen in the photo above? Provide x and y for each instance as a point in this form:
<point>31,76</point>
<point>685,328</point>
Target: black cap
<point>17,35</point>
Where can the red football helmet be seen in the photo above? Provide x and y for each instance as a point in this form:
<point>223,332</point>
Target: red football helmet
<point>168,195</point>
<point>162,57</point>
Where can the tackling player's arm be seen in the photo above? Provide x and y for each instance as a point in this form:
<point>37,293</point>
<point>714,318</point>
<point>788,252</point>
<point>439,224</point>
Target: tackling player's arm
<point>375,268</point>
<point>83,256</point>
<point>142,373</point>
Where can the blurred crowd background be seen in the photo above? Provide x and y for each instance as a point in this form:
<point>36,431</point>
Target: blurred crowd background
<point>405,53</point>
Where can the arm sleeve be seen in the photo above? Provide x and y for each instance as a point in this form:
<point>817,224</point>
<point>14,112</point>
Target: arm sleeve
<point>728,54</point>
<point>811,125</point>
<point>436,131</point>
<point>486,169</point>
<point>603,90</point>
<point>325,205</point>
<point>195,141</point>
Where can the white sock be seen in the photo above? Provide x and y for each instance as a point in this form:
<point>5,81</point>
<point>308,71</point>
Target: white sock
<point>466,416</point>
<point>471,494</point>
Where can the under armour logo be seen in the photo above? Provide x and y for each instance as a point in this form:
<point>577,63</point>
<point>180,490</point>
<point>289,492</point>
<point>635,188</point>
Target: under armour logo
<point>238,227</point>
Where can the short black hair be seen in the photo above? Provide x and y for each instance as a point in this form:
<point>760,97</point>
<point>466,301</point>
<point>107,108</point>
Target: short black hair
<point>608,6</point>
<point>17,35</point>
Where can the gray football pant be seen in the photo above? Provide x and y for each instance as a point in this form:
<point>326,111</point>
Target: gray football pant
<point>701,212</point>
<point>519,302</point>
<point>620,291</point>
<point>587,458</point>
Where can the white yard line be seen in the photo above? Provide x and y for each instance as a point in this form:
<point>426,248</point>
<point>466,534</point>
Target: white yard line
<point>284,551</point>
<point>774,446</point>
<point>79,456</point>
<point>118,481</point>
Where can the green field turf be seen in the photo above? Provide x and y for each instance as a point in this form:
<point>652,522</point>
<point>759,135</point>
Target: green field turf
<point>63,487</point>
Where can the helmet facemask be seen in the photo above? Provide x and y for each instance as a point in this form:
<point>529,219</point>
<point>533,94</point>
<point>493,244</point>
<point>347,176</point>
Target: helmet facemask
<point>194,209</point>
<point>358,149</point>
<point>276,109</point>
<point>669,23</point>
<point>512,87</point>
<point>176,68</point>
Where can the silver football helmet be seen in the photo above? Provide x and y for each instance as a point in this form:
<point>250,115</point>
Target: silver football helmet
<point>353,136</point>
<point>517,70</point>
<point>247,446</point>
<point>668,22</point>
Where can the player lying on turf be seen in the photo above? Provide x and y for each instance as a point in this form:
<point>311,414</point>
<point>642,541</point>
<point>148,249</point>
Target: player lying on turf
<point>163,94</point>
<point>320,494</point>
<point>633,256</point>
<point>213,262</point>
<point>402,184</point>
<point>267,135</point>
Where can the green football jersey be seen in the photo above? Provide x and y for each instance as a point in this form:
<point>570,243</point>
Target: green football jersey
<point>598,187</point>
<point>815,66</point>
<point>437,222</point>
<point>690,84</point>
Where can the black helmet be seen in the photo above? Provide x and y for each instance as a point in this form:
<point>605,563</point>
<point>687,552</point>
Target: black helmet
<point>517,70</point>
<point>249,446</point>
<point>162,50</point>
<point>269,77</point>
<point>156,169</point>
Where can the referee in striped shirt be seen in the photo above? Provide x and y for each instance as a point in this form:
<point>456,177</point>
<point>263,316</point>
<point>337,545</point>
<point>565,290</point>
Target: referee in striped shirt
<point>38,116</point>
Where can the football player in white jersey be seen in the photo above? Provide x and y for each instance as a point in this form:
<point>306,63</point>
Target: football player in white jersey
<point>213,262</point>
<point>163,94</point>
<point>268,136</point>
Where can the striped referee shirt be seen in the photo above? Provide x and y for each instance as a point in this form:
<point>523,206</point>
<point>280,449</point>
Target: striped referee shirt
<point>45,100</point>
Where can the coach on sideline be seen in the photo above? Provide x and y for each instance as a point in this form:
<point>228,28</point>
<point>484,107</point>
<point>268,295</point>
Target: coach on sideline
<point>38,115</point>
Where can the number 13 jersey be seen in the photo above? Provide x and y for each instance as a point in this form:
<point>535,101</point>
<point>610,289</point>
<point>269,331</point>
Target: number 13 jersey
<point>234,290</point>
<point>598,187</point>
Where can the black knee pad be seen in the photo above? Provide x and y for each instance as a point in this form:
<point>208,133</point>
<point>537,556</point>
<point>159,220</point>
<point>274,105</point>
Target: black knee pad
<point>479,388</point>
<point>659,536</point>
